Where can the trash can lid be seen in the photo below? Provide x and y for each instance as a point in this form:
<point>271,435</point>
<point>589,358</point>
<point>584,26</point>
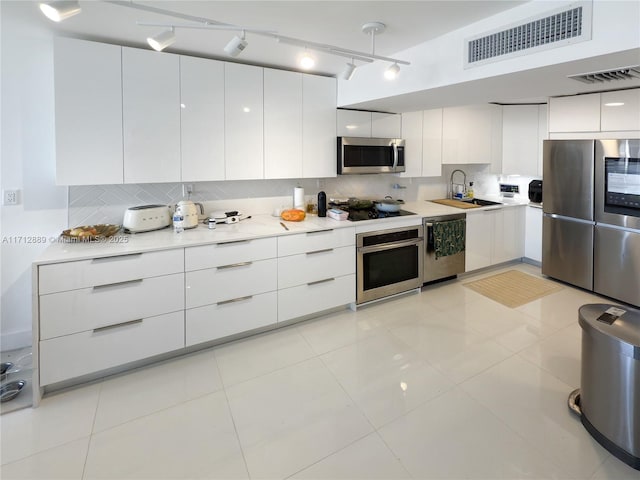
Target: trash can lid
<point>618,322</point>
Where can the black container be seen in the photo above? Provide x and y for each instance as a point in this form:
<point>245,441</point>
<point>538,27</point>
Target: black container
<point>535,191</point>
<point>322,204</point>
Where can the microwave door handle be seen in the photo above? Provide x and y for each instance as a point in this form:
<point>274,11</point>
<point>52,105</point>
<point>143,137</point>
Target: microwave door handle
<point>395,156</point>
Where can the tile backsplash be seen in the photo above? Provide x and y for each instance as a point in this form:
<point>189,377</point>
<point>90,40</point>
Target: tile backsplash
<point>106,203</point>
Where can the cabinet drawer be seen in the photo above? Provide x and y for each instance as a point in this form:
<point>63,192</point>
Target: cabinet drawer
<point>75,311</point>
<point>83,353</point>
<point>59,277</point>
<point>205,287</point>
<point>307,299</point>
<point>211,322</point>
<point>227,253</point>
<point>310,267</point>
<point>313,241</point>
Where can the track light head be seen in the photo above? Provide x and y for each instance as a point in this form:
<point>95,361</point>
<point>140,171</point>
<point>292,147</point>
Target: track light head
<point>61,10</point>
<point>348,71</point>
<point>162,40</point>
<point>392,72</point>
<point>236,46</point>
<point>307,61</point>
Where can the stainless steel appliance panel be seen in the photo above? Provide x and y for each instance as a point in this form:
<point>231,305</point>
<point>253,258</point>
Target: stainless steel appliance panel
<point>567,250</point>
<point>622,158</point>
<point>617,263</point>
<point>568,167</point>
<point>388,262</point>
<point>358,155</point>
<point>443,267</point>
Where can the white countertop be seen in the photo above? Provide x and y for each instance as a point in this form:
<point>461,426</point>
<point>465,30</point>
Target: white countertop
<point>258,226</point>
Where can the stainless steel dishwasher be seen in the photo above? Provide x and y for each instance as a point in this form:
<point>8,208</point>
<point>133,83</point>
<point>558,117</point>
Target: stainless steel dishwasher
<point>436,264</point>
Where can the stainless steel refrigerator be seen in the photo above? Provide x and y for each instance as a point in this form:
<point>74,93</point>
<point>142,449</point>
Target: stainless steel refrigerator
<point>567,202</point>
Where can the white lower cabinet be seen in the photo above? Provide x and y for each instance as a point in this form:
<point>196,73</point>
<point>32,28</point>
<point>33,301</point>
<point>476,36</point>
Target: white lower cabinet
<point>97,314</point>
<point>479,235</point>
<point>533,234</point>
<point>211,322</point>
<point>229,282</point>
<point>316,272</point>
<point>316,296</point>
<point>494,236</point>
<point>83,353</point>
<point>64,313</point>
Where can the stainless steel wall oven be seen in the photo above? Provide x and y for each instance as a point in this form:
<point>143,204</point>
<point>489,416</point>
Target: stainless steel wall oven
<point>389,262</point>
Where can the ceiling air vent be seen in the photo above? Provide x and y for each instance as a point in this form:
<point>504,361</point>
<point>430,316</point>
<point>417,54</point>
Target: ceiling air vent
<point>622,73</point>
<point>548,30</point>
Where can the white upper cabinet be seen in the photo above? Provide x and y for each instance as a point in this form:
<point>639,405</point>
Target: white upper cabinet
<point>244,126</point>
<point>151,116</point>
<point>202,119</point>
<point>356,123</point>
<point>318,126</point>
<point>353,123</point>
<point>620,110</point>
<point>386,125</point>
<point>88,112</point>
<point>412,135</point>
<point>580,113</point>
<point>471,134</point>
<point>432,143</point>
<point>282,124</point>
<point>522,139</point>
<point>422,133</point>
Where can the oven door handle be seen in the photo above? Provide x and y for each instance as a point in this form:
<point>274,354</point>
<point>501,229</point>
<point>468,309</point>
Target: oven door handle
<point>389,246</point>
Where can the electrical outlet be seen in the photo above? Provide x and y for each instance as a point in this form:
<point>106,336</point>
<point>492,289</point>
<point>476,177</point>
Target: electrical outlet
<point>187,189</point>
<point>10,197</point>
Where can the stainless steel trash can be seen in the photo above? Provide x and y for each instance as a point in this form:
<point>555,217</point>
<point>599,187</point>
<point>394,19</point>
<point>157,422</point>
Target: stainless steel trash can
<point>609,398</point>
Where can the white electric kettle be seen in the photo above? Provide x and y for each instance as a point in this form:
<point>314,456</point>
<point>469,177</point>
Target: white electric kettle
<point>189,212</point>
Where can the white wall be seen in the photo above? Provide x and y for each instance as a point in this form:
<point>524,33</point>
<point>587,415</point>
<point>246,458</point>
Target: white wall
<point>28,164</point>
<point>439,62</point>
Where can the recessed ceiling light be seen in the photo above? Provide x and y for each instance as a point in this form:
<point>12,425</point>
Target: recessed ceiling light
<point>614,104</point>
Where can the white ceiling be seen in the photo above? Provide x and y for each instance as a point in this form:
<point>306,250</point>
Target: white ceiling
<point>409,23</point>
<point>339,23</point>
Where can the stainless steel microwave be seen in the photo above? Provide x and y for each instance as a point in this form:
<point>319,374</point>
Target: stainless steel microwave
<point>370,155</point>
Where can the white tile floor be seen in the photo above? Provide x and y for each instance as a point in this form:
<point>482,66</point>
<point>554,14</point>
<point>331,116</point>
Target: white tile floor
<point>442,384</point>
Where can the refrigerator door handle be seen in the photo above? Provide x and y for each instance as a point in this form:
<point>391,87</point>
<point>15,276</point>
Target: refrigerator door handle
<point>616,227</point>
<point>569,219</point>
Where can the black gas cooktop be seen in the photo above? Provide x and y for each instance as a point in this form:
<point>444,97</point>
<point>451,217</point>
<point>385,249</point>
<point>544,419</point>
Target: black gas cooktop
<point>358,212</point>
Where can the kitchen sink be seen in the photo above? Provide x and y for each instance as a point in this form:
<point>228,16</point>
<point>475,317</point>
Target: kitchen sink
<point>483,203</point>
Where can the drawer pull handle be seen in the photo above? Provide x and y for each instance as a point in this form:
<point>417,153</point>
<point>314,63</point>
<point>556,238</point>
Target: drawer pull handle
<point>233,242</point>
<point>241,299</point>
<point>117,325</point>
<point>321,281</point>
<point>233,265</point>
<point>320,231</point>
<point>115,258</point>
<point>320,251</point>
<point>118,284</point>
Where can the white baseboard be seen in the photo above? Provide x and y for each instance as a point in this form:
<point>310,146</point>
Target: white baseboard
<point>15,340</point>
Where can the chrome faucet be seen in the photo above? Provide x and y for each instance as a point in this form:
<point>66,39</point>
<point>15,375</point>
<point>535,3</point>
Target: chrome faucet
<point>464,183</point>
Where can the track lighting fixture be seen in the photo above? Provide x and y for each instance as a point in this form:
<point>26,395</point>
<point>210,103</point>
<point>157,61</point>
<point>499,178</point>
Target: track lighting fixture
<point>236,46</point>
<point>348,71</point>
<point>307,61</point>
<point>392,72</point>
<point>61,10</point>
<point>162,40</point>
<point>238,43</point>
